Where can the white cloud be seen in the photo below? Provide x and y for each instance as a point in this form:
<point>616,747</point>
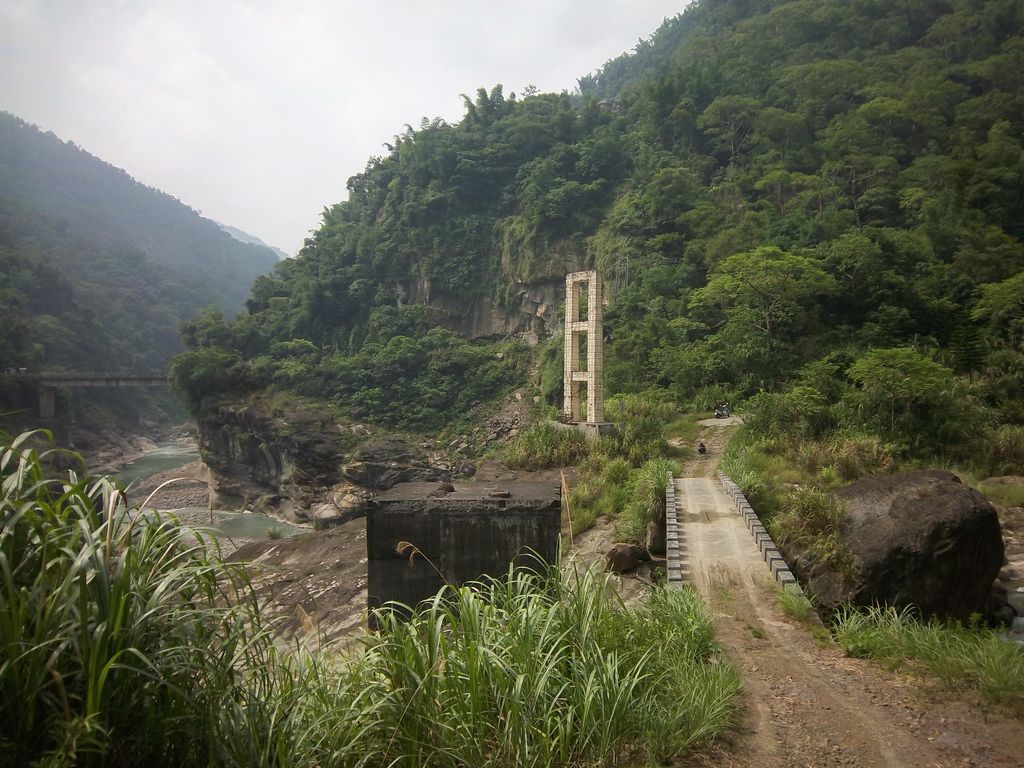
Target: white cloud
<point>256,112</point>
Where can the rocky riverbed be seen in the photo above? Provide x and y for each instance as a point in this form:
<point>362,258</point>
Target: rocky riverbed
<point>185,486</point>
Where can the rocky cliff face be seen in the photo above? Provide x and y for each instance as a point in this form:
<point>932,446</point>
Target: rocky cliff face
<point>297,461</point>
<point>268,458</point>
<point>529,313</point>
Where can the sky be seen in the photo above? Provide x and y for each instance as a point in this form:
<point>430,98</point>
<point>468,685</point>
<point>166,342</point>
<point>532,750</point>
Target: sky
<point>256,112</point>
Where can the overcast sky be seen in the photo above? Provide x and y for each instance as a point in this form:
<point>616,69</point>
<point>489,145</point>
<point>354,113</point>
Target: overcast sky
<point>256,112</point>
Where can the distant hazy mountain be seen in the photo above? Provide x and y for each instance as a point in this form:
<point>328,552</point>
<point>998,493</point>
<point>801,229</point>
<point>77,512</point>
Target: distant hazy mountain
<point>245,237</point>
<point>111,209</point>
<point>98,271</point>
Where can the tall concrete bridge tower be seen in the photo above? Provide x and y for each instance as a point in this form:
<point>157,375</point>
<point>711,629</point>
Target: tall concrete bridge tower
<point>584,348</point>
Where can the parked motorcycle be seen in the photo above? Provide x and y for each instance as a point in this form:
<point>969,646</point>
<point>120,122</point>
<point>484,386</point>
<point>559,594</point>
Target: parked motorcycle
<point>722,411</point>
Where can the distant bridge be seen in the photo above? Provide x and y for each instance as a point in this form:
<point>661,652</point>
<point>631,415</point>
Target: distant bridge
<point>48,384</point>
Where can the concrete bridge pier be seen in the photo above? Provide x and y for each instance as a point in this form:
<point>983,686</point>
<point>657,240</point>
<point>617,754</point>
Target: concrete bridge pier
<point>47,403</point>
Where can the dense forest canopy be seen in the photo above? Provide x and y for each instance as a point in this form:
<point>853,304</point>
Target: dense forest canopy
<point>784,196</point>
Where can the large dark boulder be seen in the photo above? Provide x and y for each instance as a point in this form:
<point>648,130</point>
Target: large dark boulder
<point>918,539</point>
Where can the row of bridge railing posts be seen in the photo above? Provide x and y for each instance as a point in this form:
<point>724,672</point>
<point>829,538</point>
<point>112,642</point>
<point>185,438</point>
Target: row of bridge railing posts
<point>769,552</point>
<point>675,541</point>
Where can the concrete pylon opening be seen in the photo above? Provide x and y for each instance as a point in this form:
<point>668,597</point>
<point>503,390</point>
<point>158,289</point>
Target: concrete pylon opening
<point>584,352</point>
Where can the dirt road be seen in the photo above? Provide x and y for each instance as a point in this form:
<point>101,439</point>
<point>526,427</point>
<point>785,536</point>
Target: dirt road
<point>805,703</point>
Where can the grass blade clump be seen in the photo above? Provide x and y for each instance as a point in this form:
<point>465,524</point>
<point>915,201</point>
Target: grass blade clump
<point>959,656</point>
<point>545,445</point>
<point>115,647</point>
<point>536,671</point>
<point>646,500</point>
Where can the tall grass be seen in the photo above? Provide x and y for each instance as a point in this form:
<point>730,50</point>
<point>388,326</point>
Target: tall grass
<point>545,445</point>
<point>959,656</point>
<point>812,520</point>
<point>1004,494</point>
<point>650,404</point>
<point>795,604</point>
<point>536,671</point>
<point>125,640</point>
<point>115,643</point>
<point>647,500</point>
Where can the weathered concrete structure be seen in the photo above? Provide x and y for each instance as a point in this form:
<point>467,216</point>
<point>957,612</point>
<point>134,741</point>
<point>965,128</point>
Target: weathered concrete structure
<point>456,536</point>
<point>584,348</point>
<point>49,383</point>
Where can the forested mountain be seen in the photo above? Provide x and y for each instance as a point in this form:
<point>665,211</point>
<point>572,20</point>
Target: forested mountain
<point>820,199</point>
<point>105,205</point>
<point>99,270</point>
<point>245,237</point>
<point>66,302</point>
<point>97,273</point>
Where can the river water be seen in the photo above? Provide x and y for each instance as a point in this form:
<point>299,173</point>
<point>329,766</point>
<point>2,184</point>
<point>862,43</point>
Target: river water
<point>224,524</point>
<point>164,457</point>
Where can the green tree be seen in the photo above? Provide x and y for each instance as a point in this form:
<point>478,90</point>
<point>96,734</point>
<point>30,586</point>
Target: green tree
<point>1001,305</point>
<point>914,400</point>
<point>763,292</point>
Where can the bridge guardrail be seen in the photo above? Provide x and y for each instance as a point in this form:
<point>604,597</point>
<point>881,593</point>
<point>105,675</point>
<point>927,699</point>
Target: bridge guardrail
<point>769,552</point>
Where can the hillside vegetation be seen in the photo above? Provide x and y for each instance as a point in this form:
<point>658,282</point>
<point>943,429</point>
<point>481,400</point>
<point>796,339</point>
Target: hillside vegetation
<point>105,206</point>
<point>97,271</point>
<point>814,202</point>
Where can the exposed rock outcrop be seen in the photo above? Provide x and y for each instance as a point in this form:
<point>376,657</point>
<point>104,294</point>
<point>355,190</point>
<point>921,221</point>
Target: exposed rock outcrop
<point>383,463</point>
<point>298,462</point>
<point>267,458</point>
<point>920,538</point>
<point>530,311</point>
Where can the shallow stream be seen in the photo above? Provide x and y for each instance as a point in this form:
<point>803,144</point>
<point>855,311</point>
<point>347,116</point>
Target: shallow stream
<point>223,523</point>
<point>166,456</point>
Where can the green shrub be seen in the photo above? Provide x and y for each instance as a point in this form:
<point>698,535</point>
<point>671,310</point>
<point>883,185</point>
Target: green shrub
<point>759,485</point>
<point>1006,451</point>
<point>957,655</point>
<point>550,370</point>
<point>799,412</point>
<point>651,404</point>
<point>707,398</point>
<point>640,438</point>
<point>646,500</point>
<point>911,400</point>
<point>546,445</point>
<point>582,504</point>
<point>855,456</point>
<point>612,501</point>
<point>811,519</point>
<point>616,472</point>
